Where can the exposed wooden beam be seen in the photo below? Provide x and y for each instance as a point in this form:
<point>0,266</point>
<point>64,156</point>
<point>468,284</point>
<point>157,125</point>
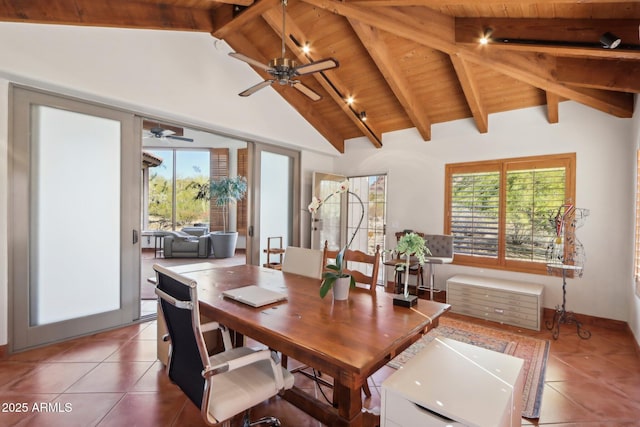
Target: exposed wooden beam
<point>472,3</point>
<point>226,22</point>
<point>539,70</point>
<point>330,81</point>
<point>533,69</point>
<point>553,102</point>
<point>124,14</point>
<point>379,51</point>
<point>471,92</point>
<point>560,37</point>
<point>425,26</point>
<point>610,75</point>
<point>297,100</point>
<point>238,2</point>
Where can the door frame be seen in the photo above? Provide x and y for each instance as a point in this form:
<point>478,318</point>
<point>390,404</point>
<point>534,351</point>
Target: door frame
<point>21,334</point>
<point>255,150</point>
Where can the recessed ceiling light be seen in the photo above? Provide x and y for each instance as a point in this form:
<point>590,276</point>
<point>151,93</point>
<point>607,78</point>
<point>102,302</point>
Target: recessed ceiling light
<point>349,100</point>
<point>306,48</point>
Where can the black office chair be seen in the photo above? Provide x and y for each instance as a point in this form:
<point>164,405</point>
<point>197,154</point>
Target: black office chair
<point>223,385</point>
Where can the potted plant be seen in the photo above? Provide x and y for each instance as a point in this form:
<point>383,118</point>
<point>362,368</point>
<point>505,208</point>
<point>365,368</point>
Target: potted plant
<point>335,277</point>
<point>224,191</point>
<point>411,244</point>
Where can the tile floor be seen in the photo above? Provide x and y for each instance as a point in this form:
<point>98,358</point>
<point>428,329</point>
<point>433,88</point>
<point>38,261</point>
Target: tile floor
<point>113,379</point>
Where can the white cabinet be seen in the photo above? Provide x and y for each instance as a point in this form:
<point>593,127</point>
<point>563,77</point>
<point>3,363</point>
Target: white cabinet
<point>450,383</point>
<point>505,301</point>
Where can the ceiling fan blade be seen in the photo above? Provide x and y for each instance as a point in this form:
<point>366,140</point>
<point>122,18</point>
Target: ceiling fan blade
<point>305,90</point>
<point>181,138</point>
<point>313,67</point>
<point>249,61</point>
<point>253,89</point>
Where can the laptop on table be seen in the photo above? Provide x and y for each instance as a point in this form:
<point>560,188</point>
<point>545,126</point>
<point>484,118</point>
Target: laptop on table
<point>254,295</point>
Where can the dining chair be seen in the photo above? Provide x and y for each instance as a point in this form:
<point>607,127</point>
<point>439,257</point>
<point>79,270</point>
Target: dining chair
<point>371,263</point>
<point>368,281</point>
<point>303,261</point>
<point>223,385</point>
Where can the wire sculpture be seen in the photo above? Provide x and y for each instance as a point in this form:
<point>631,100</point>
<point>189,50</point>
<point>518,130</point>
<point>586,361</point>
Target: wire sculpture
<point>566,253</point>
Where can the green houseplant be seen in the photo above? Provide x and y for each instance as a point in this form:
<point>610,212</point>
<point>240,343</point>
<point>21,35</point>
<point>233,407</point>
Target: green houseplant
<point>335,273</point>
<point>411,244</point>
<point>224,191</point>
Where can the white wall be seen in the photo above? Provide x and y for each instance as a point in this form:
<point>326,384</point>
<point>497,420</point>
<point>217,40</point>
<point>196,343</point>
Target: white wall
<point>634,295</point>
<point>416,190</point>
<point>4,255</point>
<point>185,76</point>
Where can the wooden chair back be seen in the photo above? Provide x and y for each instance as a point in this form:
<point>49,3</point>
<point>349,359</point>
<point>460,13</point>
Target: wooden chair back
<point>352,256</point>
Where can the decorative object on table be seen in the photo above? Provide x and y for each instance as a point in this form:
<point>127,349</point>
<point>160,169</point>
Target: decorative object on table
<point>565,253</point>
<point>411,244</point>
<point>224,191</point>
<point>336,271</point>
<point>533,351</point>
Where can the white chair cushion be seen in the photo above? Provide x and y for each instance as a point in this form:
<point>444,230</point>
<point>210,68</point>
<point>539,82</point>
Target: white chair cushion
<point>234,391</point>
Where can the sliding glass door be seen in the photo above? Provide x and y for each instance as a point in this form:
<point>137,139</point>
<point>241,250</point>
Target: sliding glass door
<point>75,207</point>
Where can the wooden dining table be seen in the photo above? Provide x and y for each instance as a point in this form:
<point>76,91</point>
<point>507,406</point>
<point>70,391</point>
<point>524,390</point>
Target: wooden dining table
<point>348,340</point>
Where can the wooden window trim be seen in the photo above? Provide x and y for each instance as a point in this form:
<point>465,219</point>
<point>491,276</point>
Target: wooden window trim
<point>567,160</point>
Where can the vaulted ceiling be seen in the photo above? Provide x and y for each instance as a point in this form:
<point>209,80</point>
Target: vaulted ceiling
<point>405,63</point>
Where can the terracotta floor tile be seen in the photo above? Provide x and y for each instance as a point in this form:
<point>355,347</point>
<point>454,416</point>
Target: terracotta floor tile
<point>155,379</point>
<point>148,333</point>
<point>19,407</point>
<point>75,410</point>
<point>111,377</point>
<point>556,408</point>
<point>41,354</point>
<point>145,410</point>
<point>603,403</point>
<point>135,351</point>
<point>88,351</point>
<point>50,378</point>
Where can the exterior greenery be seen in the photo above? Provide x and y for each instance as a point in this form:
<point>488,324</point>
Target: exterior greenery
<point>501,212</point>
<point>189,210</point>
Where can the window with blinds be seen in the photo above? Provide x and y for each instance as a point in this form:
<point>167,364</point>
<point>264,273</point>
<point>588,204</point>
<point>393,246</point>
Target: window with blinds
<point>219,169</point>
<point>500,211</point>
<point>243,166</point>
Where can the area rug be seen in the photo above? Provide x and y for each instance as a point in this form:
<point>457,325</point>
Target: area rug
<point>533,351</point>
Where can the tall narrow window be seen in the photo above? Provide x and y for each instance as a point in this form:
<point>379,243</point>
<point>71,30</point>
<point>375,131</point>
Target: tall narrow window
<point>499,211</point>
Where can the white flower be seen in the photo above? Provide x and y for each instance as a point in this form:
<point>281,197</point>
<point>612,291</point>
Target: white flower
<point>314,205</point>
<point>344,186</point>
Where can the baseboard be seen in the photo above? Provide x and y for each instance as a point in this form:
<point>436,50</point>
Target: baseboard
<point>587,320</point>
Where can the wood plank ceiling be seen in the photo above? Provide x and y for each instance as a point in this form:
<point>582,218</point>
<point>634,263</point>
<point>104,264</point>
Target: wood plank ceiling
<point>406,63</point>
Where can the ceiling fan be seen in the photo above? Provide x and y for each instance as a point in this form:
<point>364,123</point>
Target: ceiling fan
<point>284,70</point>
<point>160,133</point>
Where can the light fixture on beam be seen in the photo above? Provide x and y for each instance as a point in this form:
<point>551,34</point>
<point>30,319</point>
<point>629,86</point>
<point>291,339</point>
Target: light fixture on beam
<point>349,100</point>
<point>363,116</point>
<point>610,40</point>
<point>486,36</point>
